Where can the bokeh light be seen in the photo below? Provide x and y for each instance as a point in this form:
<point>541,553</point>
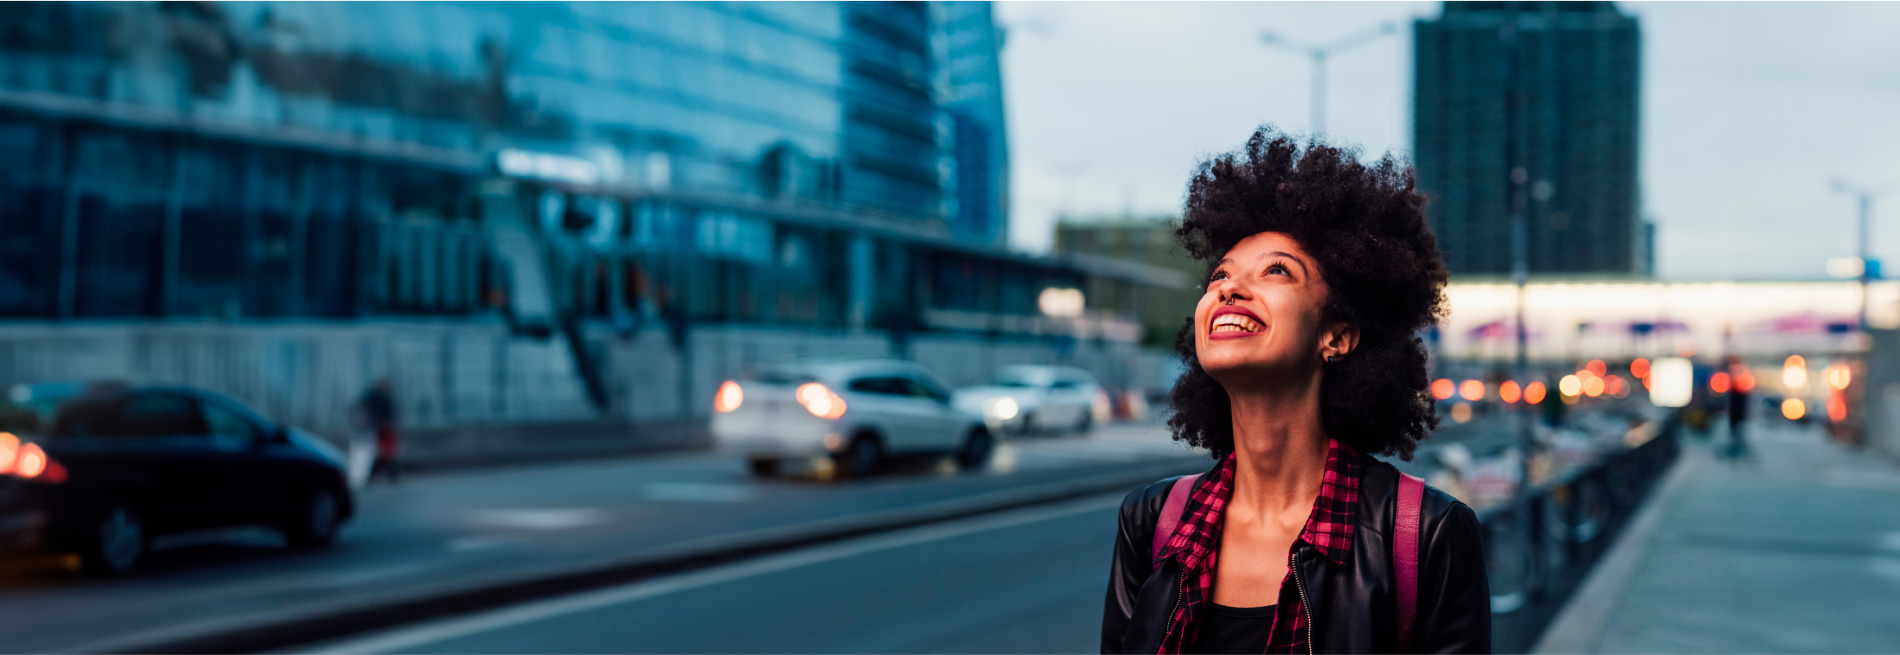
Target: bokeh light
<point>1719,382</point>
<point>1570,385</point>
<point>1794,409</point>
<point>1442,389</point>
<point>1509,392</point>
<point>1471,390</point>
<point>1534,393</point>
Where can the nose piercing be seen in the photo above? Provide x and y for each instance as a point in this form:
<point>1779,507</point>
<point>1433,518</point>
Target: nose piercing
<point>1229,301</point>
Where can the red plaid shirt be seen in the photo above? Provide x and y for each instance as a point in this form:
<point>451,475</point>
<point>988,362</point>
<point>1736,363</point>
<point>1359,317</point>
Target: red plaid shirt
<point>1196,546</point>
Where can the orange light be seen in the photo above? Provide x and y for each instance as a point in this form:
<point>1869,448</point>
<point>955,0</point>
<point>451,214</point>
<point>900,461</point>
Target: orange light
<point>1838,376</point>
<point>1718,383</point>
<point>1472,390</point>
<point>1836,407</point>
<point>1640,368</point>
<point>1645,383</point>
<point>1443,388</point>
<point>1570,385</point>
<point>821,402</point>
<point>729,398</point>
<point>9,450</point>
<point>1794,409</point>
<point>1613,385</point>
<point>1593,386</point>
<point>1595,367</point>
<point>1508,392</point>
<point>1744,381</point>
<point>1534,393</point>
<point>32,461</point>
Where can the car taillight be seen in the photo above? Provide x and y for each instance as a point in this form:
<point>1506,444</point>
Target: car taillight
<point>729,397</point>
<point>28,461</point>
<point>820,401</point>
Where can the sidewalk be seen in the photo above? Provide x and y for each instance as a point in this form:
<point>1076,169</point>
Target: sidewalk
<point>1796,550</point>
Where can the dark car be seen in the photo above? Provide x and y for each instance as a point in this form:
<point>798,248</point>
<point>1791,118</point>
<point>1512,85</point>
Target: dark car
<point>102,470</point>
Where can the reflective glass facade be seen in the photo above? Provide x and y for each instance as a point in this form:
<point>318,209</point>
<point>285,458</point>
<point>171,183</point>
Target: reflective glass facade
<point>771,162</point>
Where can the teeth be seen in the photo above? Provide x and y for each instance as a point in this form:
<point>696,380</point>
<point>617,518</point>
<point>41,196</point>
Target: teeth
<point>1235,323</point>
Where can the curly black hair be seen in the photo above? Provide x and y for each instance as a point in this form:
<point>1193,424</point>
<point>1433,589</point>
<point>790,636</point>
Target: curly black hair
<point>1365,224</point>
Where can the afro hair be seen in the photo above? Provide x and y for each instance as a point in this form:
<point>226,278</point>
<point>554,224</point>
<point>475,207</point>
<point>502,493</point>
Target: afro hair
<point>1365,224</point>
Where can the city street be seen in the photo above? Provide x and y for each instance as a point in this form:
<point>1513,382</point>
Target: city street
<point>447,532</point>
<point>1028,580</point>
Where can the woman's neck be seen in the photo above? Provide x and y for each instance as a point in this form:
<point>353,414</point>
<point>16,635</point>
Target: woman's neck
<point>1280,450</point>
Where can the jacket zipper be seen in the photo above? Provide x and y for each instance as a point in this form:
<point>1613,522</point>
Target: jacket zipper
<point>1293,564</point>
<point>1180,590</point>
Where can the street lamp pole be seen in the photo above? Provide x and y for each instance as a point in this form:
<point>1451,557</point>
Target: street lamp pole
<point>1319,54</point>
<point>1866,198</point>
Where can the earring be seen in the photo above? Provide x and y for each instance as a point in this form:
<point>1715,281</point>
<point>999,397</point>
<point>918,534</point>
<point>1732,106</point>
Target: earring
<point>1329,359</point>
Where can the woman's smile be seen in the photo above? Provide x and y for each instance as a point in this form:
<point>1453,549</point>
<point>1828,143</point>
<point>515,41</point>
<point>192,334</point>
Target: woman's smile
<point>1232,322</point>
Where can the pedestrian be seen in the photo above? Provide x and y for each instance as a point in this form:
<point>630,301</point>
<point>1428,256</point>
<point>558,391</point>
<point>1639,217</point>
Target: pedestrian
<point>1303,362</point>
<point>377,412</point>
<point>1738,402</point>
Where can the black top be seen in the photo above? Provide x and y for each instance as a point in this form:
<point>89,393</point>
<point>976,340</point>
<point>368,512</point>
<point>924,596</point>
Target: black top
<point>1234,630</point>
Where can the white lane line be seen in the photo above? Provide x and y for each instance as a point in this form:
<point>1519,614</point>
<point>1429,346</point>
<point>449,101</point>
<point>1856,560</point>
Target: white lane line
<point>427,633</point>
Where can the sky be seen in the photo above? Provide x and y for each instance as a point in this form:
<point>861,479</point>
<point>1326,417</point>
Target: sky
<point>1750,111</point>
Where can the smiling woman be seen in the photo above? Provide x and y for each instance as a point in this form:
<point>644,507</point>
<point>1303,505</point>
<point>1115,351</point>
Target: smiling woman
<point>1303,360</point>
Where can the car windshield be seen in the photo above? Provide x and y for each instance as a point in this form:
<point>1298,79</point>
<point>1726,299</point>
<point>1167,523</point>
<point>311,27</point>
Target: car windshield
<point>30,408</point>
<point>1012,382</point>
<point>784,376</point>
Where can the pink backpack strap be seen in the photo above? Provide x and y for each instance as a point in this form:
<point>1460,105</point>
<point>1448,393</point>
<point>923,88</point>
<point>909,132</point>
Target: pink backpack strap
<point>1171,511</point>
<point>1405,536</point>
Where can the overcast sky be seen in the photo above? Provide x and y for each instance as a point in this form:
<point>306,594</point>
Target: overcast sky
<point>1750,110</point>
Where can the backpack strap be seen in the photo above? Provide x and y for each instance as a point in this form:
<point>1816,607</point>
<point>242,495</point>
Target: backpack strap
<point>1171,511</point>
<point>1405,537</point>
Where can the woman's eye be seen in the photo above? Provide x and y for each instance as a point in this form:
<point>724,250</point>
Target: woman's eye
<point>1218,275</point>
<point>1276,268</point>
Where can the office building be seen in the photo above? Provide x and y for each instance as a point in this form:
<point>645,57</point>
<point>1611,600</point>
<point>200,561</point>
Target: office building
<point>1577,68</point>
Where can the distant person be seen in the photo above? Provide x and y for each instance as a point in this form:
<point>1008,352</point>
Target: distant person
<point>376,411</point>
<point>1302,364</point>
<point>1738,402</point>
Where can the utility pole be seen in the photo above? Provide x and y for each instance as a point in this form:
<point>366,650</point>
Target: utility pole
<point>1867,264</point>
<point>1319,55</point>
<point>1517,158</point>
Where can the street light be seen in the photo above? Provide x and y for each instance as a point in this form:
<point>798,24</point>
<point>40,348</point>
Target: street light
<point>1319,55</point>
<point>1867,264</point>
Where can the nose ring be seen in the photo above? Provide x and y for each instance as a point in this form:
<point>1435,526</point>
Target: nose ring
<point>1229,301</point>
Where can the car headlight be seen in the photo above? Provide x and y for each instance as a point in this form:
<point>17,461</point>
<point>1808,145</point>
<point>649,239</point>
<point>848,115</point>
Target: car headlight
<point>1004,408</point>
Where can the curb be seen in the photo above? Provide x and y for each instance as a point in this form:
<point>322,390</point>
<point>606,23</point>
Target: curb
<point>1578,625</point>
<point>328,621</point>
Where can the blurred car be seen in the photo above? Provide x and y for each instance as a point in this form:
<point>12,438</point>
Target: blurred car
<point>1026,399</point>
<point>103,470</point>
<point>844,416</point>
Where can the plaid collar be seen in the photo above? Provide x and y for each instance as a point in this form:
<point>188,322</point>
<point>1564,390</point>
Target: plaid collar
<point>1195,543</point>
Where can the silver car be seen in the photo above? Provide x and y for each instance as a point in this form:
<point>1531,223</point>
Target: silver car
<point>843,418</point>
<point>1024,399</point>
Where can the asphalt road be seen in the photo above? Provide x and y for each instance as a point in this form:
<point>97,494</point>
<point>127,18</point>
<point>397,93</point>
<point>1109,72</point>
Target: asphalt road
<point>1022,581</point>
<point>516,523</point>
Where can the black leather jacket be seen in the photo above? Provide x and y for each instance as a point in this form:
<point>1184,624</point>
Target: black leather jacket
<point>1351,607</point>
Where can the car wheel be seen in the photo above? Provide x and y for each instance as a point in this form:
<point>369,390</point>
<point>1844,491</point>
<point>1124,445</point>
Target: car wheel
<point>1029,424</point>
<point>119,542</point>
<point>764,467</point>
<point>316,524</point>
<point>976,449</point>
<point>862,458</point>
<point>1087,424</point>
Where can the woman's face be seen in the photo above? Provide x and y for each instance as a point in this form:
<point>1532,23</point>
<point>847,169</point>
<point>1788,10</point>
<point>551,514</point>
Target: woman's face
<point>1272,330</point>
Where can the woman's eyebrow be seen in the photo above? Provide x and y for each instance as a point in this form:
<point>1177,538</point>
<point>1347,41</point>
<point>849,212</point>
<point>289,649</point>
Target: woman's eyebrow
<point>1287,255</point>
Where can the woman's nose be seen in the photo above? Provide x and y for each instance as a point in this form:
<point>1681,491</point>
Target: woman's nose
<point>1228,288</point>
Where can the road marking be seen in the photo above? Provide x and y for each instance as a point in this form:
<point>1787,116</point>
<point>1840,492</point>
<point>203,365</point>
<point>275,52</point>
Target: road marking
<point>538,519</point>
<point>408,638</point>
<point>697,492</point>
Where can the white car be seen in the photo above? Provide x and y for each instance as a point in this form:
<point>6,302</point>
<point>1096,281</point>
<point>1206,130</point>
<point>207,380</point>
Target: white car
<point>844,417</point>
<point>1024,399</point>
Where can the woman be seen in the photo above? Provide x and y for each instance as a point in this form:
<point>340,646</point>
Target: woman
<point>1303,362</point>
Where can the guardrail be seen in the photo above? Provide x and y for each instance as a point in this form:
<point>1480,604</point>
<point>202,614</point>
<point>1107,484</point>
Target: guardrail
<point>1541,546</point>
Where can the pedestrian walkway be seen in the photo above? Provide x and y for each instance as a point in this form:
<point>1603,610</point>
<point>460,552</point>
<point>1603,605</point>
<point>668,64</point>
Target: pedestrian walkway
<point>1794,550</point>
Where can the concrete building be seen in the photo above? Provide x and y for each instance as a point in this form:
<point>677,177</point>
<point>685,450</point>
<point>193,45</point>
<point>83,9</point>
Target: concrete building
<point>581,213</point>
<point>1577,73</point>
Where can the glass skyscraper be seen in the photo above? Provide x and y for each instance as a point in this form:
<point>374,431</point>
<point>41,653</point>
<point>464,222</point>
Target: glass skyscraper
<point>245,159</point>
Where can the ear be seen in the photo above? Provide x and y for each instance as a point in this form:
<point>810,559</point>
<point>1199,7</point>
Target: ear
<point>1338,339</point>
